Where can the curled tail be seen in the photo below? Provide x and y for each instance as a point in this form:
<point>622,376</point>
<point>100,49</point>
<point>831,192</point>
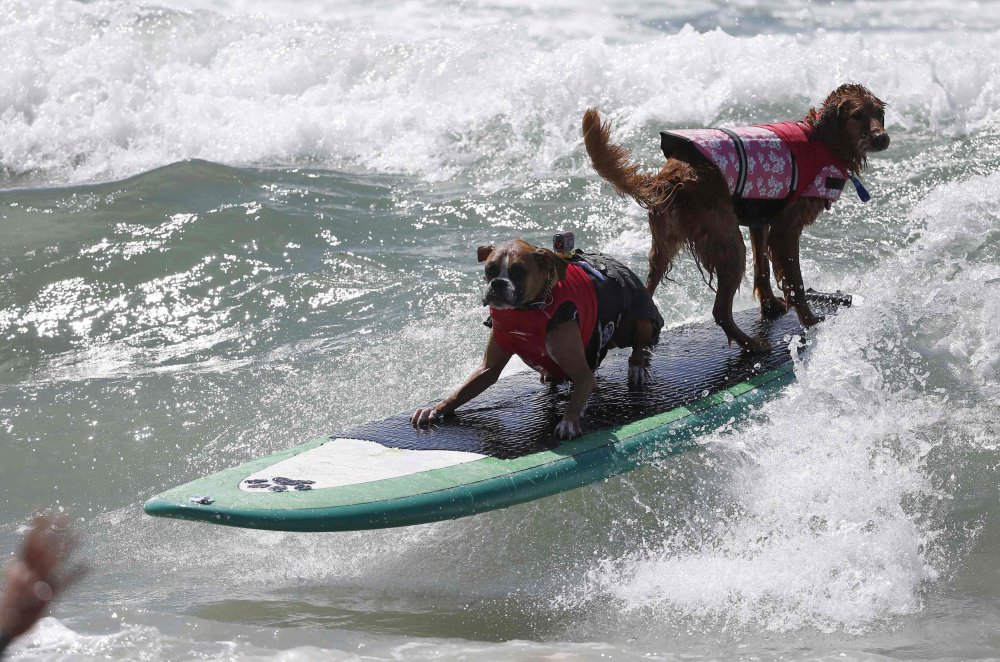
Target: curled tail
<point>613,162</point>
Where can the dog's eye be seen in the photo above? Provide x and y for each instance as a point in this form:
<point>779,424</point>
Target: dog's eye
<point>516,271</point>
<point>857,115</point>
<point>492,271</point>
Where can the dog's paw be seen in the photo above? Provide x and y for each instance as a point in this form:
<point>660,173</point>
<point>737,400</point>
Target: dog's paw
<point>773,307</point>
<point>638,375</point>
<point>810,320</point>
<point>757,346</point>
<point>568,429</point>
<point>425,416</point>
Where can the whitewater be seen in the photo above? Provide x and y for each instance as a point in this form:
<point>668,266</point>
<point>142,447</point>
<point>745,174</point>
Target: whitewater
<point>230,226</point>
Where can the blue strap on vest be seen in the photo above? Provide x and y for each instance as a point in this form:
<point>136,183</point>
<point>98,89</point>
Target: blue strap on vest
<point>860,188</point>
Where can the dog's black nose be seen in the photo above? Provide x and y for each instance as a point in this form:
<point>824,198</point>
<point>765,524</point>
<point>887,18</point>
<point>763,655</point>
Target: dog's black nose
<point>500,284</point>
<point>880,142</point>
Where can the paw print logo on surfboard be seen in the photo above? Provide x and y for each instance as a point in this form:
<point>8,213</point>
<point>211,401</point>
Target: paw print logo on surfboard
<point>279,484</point>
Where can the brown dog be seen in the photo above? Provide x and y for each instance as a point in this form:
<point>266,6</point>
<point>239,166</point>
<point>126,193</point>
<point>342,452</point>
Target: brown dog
<point>700,198</point>
<point>561,317</point>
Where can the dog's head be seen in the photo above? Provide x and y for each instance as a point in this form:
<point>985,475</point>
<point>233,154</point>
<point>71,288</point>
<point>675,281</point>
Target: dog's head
<point>852,122</point>
<point>519,274</point>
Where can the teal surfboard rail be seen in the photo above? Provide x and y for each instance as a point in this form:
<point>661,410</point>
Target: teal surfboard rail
<point>464,489</point>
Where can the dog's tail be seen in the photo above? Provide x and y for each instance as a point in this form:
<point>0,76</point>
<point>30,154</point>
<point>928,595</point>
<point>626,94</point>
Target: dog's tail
<point>614,163</point>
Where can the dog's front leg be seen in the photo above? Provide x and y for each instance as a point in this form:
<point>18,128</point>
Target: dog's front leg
<point>638,362</point>
<point>494,360</point>
<point>783,244</point>
<point>565,346</point>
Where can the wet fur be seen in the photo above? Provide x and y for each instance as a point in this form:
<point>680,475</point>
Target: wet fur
<point>690,206</point>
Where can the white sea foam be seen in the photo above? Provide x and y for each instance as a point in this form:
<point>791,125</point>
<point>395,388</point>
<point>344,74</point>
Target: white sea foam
<point>822,539</point>
<point>103,90</point>
<point>954,287</point>
<point>833,483</point>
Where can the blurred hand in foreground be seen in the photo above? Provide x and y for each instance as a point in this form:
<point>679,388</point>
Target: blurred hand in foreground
<point>37,575</point>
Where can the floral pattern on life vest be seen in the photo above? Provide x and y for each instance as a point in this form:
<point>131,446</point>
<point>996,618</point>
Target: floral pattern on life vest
<point>818,187</point>
<point>718,148</point>
<point>769,164</point>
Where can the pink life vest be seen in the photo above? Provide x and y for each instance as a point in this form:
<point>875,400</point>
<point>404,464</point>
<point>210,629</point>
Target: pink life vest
<point>768,161</point>
<point>522,331</point>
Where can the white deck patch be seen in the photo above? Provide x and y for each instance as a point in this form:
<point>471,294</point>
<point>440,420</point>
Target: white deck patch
<point>344,461</point>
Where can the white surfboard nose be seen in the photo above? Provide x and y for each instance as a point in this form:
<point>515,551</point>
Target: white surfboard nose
<point>345,461</point>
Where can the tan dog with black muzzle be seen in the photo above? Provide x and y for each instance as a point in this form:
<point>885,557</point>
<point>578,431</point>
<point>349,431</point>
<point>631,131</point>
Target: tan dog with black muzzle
<point>560,316</point>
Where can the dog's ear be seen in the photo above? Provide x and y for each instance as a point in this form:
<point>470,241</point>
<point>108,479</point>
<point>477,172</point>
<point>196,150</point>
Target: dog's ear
<point>830,118</point>
<point>483,253</point>
<point>847,109</point>
<point>835,113</point>
<point>551,262</point>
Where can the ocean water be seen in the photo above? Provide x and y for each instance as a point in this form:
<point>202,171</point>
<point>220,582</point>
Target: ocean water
<point>229,226</point>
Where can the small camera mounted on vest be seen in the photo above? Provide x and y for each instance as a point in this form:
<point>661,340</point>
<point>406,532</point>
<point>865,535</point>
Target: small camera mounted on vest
<point>564,244</point>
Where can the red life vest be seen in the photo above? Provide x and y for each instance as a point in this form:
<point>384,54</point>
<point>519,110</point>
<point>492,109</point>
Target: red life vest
<point>521,331</point>
<point>817,166</point>
<point>767,161</point>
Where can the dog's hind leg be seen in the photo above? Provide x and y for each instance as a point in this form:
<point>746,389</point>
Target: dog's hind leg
<point>665,243</point>
<point>770,305</point>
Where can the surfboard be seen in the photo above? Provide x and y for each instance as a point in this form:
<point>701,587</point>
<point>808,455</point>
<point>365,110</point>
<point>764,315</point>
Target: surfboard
<point>498,450</point>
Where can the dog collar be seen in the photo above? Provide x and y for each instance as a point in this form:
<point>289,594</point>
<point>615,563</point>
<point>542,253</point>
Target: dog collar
<point>544,302</point>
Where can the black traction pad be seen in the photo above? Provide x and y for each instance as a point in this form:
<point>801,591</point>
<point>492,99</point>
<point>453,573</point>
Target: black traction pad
<point>518,414</point>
